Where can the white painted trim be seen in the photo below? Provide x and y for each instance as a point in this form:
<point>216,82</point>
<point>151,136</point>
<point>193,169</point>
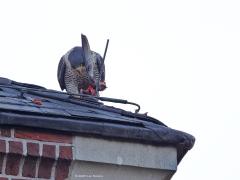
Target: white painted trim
<point>124,153</point>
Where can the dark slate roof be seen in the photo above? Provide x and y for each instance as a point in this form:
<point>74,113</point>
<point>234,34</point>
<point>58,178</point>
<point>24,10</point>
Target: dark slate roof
<point>34,106</point>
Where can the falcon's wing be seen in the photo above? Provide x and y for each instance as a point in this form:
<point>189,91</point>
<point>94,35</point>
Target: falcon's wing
<point>89,58</point>
<point>61,73</point>
<point>86,48</point>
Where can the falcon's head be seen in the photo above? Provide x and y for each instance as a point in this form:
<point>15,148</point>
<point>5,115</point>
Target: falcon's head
<point>76,58</point>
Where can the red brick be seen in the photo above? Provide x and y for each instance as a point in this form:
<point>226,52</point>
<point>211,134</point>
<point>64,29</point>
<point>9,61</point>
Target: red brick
<point>3,178</point>
<point>33,149</point>
<point>43,136</point>
<point>12,165</point>
<point>6,132</point>
<point>65,152</point>
<point>62,169</point>
<point>1,162</point>
<point>49,151</point>
<point>29,167</point>
<point>45,168</point>
<point>15,147</point>
<point>2,146</point>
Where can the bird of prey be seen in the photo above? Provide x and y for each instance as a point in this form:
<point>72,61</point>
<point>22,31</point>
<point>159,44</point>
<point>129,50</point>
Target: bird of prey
<point>82,71</point>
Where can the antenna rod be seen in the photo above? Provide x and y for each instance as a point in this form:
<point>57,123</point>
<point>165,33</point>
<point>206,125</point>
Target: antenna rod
<point>105,52</point>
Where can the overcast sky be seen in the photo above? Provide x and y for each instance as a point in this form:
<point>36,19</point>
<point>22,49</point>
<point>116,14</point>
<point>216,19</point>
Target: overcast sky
<point>179,60</point>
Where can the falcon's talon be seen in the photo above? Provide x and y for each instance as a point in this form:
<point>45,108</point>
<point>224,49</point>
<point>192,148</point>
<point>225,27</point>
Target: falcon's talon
<point>102,85</point>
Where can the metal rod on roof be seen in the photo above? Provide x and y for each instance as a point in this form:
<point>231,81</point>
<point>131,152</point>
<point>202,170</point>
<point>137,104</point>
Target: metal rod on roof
<point>121,101</point>
<point>106,99</point>
<point>104,56</point>
<point>105,51</point>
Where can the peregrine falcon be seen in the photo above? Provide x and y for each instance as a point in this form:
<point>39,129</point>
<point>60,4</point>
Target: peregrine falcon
<point>82,71</point>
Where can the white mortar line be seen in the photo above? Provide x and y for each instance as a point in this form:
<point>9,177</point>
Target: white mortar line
<point>7,146</point>
<point>53,170</point>
<point>4,164</point>
<point>21,166</point>
<point>57,152</point>
<point>12,133</point>
<point>24,148</point>
<point>40,149</point>
<point>74,149</point>
<point>70,171</point>
<point>37,166</point>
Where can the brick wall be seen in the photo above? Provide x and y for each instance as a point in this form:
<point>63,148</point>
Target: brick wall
<point>31,154</point>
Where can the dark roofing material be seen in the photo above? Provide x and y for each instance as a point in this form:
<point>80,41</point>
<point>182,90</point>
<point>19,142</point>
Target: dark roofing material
<point>36,107</point>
